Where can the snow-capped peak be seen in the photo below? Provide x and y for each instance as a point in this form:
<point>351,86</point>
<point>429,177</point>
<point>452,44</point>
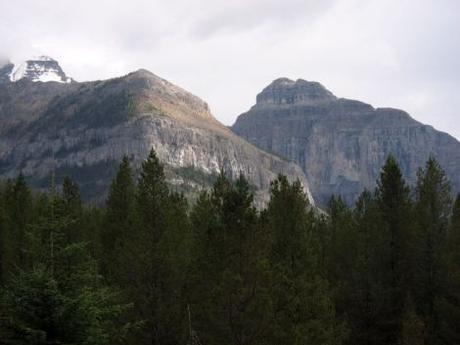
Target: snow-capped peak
<point>39,68</point>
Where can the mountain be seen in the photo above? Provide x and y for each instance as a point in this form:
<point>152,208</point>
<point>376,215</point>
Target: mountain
<point>6,68</point>
<point>341,144</point>
<point>84,129</point>
<point>41,68</point>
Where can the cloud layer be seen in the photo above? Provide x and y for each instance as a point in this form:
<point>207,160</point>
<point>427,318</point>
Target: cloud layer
<point>399,53</point>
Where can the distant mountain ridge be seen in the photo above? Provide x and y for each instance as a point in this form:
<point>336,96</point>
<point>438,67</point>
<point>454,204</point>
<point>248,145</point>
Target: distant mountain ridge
<point>341,144</point>
<point>84,129</point>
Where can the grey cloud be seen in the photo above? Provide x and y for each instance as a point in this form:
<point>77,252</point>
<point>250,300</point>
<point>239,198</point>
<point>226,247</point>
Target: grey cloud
<point>237,16</point>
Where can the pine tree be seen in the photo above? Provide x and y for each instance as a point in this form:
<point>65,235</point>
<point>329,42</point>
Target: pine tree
<point>118,221</point>
<point>152,195</point>
<point>154,257</point>
<point>2,232</point>
<point>229,273</point>
<point>60,299</point>
<point>351,264</point>
<point>433,207</point>
<point>395,208</point>
<point>71,197</point>
<point>303,309</point>
<point>448,304</point>
<point>18,214</point>
<point>342,251</point>
<point>71,203</point>
<point>364,298</point>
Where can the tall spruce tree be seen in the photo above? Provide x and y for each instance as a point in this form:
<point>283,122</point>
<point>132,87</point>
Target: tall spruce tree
<point>433,207</point>
<point>154,276</point>
<point>118,221</point>
<point>448,305</point>
<point>364,298</point>
<point>229,291</point>
<point>351,265</point>
<point>59,299</point>
<point>303,309</point>
<point>70,204</point>
<point>342,251</point>
<point>2,232</point>
<point>2,229</point>
<point>395,208</point>
<point>71,197</point>
<point>18,214</point>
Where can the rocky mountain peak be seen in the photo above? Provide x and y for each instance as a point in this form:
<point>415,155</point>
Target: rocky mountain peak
<point>40,68</point>
<point>83,130</point>
<point>161,94</point>
<point>341,144</point>
<point>284,91</point>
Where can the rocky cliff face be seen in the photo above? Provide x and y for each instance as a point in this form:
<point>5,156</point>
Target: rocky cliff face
<point>83,130</point>
<point>341,144</point>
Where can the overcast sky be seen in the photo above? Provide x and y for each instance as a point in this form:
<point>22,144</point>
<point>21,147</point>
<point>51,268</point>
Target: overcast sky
<point>390,53</point>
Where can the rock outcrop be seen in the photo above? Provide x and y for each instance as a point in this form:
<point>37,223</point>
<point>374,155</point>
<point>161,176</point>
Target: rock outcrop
<point>84,129</point>
<point>341,144</point>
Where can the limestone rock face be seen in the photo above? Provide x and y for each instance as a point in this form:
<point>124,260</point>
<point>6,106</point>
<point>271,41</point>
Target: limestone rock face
<point>342,144</point>
<point>284,91</point>
<point>84,129</point>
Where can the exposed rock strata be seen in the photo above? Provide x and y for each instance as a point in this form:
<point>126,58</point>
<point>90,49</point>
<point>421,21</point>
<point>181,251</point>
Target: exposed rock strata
<point>341,144</point>
<point>83,130</point>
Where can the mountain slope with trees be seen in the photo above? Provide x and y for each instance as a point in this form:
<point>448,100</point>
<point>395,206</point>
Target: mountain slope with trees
<point>84,129</point>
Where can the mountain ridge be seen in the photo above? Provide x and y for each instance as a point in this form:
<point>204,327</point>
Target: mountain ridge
<point>84,129</point>
<point>341,144</point>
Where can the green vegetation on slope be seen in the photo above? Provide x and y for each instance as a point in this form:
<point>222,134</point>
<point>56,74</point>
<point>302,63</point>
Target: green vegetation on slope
<point>150,268</point>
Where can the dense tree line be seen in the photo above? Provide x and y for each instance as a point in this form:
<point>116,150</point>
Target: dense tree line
<point>152,268</point>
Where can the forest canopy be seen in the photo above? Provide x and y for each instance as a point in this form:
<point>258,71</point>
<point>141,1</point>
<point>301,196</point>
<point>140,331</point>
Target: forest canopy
<point>149,267</point>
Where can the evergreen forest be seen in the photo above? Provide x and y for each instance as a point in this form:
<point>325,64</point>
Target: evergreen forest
<point>152,268</point>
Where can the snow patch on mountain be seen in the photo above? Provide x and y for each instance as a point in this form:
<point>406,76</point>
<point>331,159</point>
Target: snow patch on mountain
<point>39,69</point>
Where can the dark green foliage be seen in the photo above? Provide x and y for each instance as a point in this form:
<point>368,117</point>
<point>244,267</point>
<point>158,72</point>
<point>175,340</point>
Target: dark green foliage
<point>393,251</point>
<point>343,255</point>
<point>87,177</point>
<point>118,220</point>
<point>448,306</point>
<point>342,250</point>
<point>154,257</point>
<point>38,311</point>
<point>58,298</point>
<point>18,214</point>
<point>303,307</point>
<point>433,206</point>
<point>230,300</point>
<point>362,304</point>
<point>384,272</point>
<point>71,197</point>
